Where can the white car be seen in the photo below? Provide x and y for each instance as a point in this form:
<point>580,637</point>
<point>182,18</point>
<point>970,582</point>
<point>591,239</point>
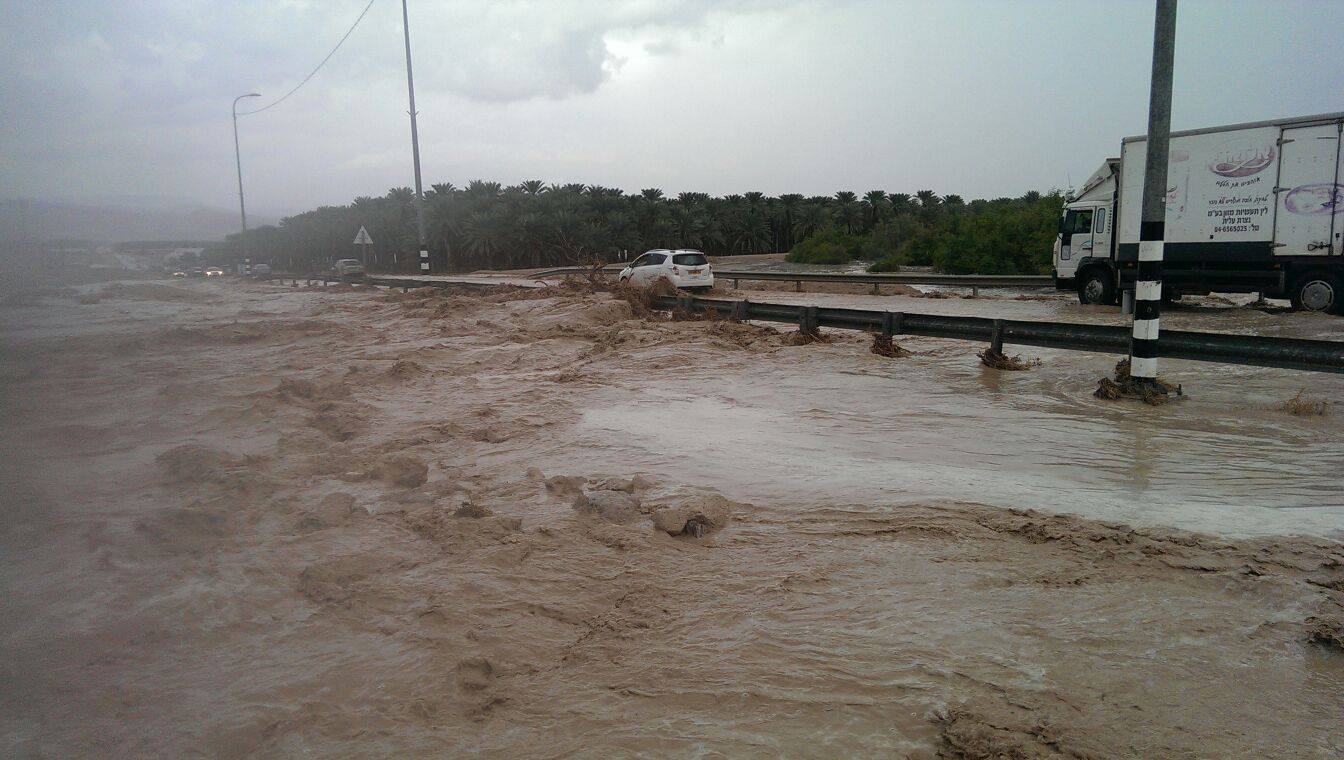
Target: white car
<point>214,272</point>
<point>348,267</point>
<point>683,268</point>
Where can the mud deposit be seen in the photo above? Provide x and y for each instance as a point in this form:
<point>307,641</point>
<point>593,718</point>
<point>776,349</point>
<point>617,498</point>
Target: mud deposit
<point>241,519</point>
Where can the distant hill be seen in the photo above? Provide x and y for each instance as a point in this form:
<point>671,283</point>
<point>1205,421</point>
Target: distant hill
<point>24,219</point>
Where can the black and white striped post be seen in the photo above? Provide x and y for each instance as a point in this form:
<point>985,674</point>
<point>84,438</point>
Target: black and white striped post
<point>1152,228</point>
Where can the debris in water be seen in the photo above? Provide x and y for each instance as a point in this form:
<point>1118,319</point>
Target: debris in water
<point>641,299</point>
<point>1302,405</point>
<point>884,346</point>
<point>698,517</point>
<point>1157,392</point>
<point>801,337</point>
<point>473,511</point>
<point>999,360</point>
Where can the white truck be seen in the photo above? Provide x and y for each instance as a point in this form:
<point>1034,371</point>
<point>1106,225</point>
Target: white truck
<point>1251,208</point>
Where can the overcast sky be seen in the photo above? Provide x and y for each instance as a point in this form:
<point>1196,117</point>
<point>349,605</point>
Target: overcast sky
<point>118,99</point>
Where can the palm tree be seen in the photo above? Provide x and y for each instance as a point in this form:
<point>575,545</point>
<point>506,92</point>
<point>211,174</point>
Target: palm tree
<point>848,215</point>
<point>482,188</point>
<point>482,234</point>
<point>533,187</point>
<point>875,206</point>
<point>928,206</point>
<point>811,217</point>
<point>901,203</point>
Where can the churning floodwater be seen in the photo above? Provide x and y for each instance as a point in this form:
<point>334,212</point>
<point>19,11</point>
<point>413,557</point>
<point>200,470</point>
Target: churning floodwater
<point>246,519</point>
<point>936,425</point>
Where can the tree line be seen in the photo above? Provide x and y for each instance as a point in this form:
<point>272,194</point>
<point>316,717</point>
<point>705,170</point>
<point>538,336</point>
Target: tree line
<point>1001,236</point>
<point>486,225</point>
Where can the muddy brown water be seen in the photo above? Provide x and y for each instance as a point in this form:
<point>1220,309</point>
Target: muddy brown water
<point>219,538</point>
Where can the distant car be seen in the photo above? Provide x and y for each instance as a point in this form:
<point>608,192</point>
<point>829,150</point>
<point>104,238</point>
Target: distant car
<point>347,267</point>
<point>179,273</point>
<point>683,268</point>
<point>261,270</point>
<point>214,272</point>
<point>197,272</point>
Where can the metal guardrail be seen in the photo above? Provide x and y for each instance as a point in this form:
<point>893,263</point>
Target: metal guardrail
<point>1223,348</point>
<point>863,278</point>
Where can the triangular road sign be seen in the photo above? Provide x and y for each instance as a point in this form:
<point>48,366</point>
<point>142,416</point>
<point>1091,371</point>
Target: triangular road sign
<point>363,237</point>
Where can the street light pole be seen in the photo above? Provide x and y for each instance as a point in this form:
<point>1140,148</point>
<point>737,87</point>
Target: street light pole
<point>415,147</point>
<point>238,159</point>
<point>1152,227</point>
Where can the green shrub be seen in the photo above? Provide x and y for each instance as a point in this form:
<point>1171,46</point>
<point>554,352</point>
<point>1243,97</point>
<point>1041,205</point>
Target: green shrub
<point>1005,236</point>
<point>826,246</point>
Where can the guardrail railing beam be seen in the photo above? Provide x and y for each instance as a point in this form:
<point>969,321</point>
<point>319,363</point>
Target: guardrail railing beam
<point>1251,350</point>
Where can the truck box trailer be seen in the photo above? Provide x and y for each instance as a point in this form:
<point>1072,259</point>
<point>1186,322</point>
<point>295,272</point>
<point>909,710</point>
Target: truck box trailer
<point>1251,208</point>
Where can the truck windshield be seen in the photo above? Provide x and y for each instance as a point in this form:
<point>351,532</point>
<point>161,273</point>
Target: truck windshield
<point>1077,220</point>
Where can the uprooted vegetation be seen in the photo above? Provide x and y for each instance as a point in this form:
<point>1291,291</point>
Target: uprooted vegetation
<point>999,360</point>
<point>883,345</point>
<point>1153,392</point>
<point>1302,405</point>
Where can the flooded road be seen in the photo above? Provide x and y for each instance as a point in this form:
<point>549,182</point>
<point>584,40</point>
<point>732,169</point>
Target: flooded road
<point>245,519</point>
<point>1224,459</point>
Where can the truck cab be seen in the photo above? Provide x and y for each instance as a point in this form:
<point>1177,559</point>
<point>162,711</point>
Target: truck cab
<point>1250,208</point>
<point>1084,252</point>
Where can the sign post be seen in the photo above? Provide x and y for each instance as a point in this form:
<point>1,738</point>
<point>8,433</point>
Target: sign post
<point>364,241</point>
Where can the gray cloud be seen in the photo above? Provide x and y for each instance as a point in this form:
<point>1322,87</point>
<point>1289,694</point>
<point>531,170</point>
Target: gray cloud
<point>131,98</point>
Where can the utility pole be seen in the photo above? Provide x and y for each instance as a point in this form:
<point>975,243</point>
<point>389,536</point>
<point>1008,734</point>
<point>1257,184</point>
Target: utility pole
<point>1152,227</point>
<point>415,147</point>
<point>238,159</point>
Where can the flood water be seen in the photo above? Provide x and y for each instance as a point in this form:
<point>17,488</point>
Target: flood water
<point>1223,459</point>
<point>241,519</point>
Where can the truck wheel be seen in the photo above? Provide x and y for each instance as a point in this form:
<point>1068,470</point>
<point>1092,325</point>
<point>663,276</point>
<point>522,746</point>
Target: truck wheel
<point>1096,286</point>
<point>1318,291</point>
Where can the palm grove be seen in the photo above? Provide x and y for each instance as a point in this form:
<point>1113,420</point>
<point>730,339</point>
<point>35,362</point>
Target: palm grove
<point>488,226</point>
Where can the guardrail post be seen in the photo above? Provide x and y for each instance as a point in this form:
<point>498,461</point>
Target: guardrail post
<point>741,309</point>
<point>797,286</point>
<point>807,320</point>
<point>897,323</point>
<point>996,337</point>
<point>887,324</point>
<point>975,291</point>
<point>875,290</point>
<point>734,283</point>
